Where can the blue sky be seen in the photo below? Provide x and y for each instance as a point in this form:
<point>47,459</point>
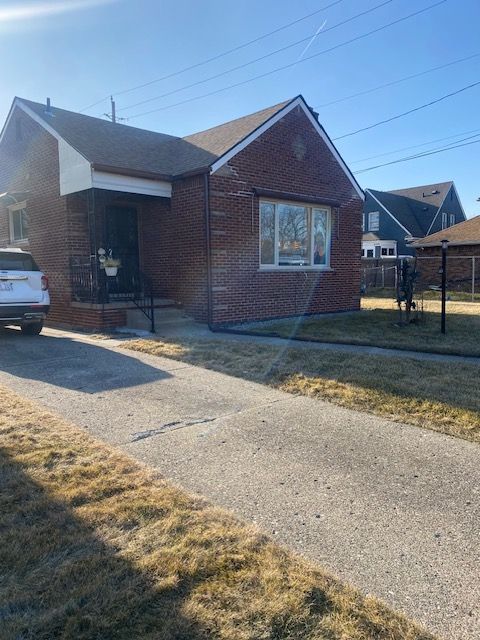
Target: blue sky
<point>79,51</point>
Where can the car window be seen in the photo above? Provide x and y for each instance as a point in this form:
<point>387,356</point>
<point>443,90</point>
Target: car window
<point>17,262</point>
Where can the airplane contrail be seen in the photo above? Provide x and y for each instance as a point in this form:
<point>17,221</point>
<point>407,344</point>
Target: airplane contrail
<point>312,40</point>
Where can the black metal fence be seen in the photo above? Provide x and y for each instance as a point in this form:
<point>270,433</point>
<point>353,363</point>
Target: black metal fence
<point>91,284</point>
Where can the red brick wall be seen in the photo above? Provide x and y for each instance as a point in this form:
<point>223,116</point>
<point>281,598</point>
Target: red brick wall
<point>460,268</point>
<point>173,245</point>
<point>31,164</point>
<point>289,157</point>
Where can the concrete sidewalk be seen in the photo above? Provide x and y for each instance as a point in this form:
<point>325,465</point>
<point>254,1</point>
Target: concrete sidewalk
<point>201,331</point>
<point>391,508</point>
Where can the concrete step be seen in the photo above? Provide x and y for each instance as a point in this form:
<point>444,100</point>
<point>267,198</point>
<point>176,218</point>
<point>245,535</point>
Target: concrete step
<point>136,319</point>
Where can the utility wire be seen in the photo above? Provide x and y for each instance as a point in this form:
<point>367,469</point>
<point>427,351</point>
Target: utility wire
<point>414,146</point>
<point>264,57</point>
<point>215,57</point>
<point>292,64</point>
<point>394,82</point>
<point>416,156</point>
<point>406,113</point>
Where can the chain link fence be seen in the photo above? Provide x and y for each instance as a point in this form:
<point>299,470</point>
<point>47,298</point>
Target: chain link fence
<point>463,275</point>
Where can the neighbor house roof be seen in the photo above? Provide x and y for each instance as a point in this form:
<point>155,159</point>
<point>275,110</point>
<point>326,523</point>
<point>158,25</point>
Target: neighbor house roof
<point>119,146</point>
<point>433,194</point>
<point>463,233</point>
<point>414,215</point>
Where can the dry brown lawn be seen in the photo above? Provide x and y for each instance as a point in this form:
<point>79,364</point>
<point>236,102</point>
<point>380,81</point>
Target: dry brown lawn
<point>376,326</point>
<point>95,547</point>
<point>428,394</point>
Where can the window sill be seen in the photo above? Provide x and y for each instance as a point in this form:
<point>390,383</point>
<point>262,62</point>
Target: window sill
<point>292,269</point>
<point>21,242</point>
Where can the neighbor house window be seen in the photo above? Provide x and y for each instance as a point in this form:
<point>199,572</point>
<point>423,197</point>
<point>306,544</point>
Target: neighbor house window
<point>293,235</point>
<point>369,253</point>
<point>384,251</point>
<point>452,219</point>
<point>18,222</point>
<point>444,220</point>
<point>373,220</point>
<point>391,252</point>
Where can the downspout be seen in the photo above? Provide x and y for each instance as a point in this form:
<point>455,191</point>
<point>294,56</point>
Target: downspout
<point>208,250</point>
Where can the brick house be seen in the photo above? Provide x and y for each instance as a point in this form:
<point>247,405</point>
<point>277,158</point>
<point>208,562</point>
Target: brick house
<point>463,265</point>
<point>256,218</point>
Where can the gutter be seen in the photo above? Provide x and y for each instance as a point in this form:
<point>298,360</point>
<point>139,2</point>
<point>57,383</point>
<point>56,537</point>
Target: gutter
<point>208,249</point>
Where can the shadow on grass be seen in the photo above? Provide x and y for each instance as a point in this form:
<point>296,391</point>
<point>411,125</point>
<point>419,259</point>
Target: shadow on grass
<point>408,381</point>
<point>58,580</point>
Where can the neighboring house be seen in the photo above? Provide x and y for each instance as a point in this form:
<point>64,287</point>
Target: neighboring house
<point>256,218</point>
<point>463,266</point>
<point>392,219</point>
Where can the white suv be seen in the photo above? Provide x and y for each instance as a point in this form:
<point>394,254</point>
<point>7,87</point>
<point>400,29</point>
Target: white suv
<point>24,298</point>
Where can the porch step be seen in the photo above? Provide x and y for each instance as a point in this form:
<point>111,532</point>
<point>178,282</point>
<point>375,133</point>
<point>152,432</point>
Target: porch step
<point>163,315</point>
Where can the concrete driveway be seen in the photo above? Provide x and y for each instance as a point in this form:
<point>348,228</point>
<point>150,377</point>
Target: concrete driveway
<point>394,509</point>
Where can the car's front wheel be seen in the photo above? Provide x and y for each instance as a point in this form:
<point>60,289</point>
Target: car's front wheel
<point>32,328</point>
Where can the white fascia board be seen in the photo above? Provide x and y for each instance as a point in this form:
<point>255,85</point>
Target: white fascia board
<point>387,211</point>
<point>298,102</point>
<point>130,184</point>
<point>459,201</point>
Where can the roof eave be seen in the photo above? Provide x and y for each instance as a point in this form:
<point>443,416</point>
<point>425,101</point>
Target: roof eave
<point>135,173</point>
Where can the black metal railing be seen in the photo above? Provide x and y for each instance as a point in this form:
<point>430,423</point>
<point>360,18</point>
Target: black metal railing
<point>91,284</point>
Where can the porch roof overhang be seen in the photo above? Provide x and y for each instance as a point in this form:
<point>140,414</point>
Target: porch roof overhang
<point>78,174</point>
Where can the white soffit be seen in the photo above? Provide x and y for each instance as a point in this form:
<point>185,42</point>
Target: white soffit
<point>129,184</point>
<point>273,120</point>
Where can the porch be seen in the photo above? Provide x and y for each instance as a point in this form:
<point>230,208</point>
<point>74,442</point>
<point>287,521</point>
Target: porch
<point>108,226</point>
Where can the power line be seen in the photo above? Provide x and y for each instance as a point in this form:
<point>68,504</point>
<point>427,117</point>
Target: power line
<point>291,64</point>
<point>264,57</point>
<point>414,146</point>
<point>418,155</point>
<point>215,57</point>
<point>406,113</point>
<point>394,82</point>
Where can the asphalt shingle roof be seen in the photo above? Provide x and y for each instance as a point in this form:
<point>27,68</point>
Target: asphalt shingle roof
<point>427,193</point>
<point>117,145</point>
<point>414,215</point>
<point>466,232</point>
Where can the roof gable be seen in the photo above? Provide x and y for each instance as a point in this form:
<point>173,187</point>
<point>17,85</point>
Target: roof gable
<point>412,215</point>
<point>117,147</point>
<point>466,232</point>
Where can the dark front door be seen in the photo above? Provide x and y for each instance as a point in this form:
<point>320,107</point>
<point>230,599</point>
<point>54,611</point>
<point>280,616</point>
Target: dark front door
<point>122,239</point>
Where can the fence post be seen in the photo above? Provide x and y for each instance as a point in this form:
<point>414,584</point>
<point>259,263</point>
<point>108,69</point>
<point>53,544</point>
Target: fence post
<point>383,276</point>
<point>473,278</point>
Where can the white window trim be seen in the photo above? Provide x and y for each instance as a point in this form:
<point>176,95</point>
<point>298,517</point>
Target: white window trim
<point>444,219</point>
<point>371,213</point>
<point>451,219</point>
<point>310,267</point>
<point>18,206</point>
